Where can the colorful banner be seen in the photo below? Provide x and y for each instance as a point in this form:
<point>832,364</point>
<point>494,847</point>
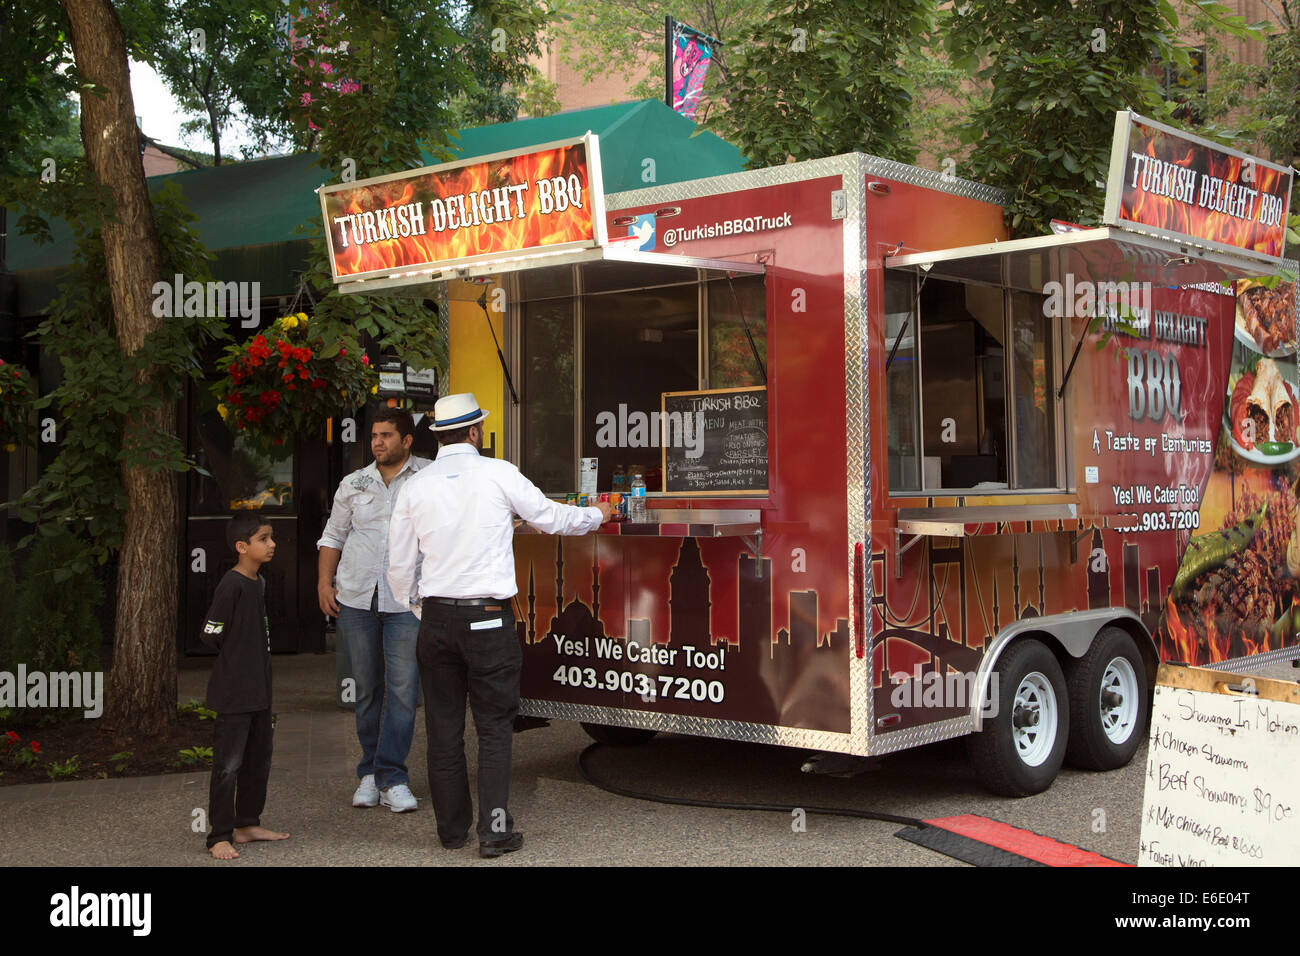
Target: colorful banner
<point>692,52</point>
<point>1181,185</point>
<point>508,205</point>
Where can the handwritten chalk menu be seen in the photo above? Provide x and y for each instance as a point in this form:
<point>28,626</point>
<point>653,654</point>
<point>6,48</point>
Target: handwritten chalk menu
<point>715,442</point>
<point>1221,781</point>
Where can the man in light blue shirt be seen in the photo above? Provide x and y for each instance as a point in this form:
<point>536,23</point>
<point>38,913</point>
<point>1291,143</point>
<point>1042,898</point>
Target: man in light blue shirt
<point>376,626</point>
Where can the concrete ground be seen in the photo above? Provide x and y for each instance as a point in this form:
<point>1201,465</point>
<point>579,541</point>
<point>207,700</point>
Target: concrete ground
<point>566,820</point>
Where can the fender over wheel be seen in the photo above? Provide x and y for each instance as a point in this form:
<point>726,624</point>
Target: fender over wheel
<point>1022,745</point>
<point>618,736</point>
<point>1108,702</point>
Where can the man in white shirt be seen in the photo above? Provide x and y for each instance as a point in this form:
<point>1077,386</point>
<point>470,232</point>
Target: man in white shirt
<point>455,521</point>
<point>375,625</point>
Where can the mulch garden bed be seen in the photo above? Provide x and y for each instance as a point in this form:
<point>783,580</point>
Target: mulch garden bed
<point>98,755</point>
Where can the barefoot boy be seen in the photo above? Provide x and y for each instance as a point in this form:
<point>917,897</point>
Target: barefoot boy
<point>240,692</point>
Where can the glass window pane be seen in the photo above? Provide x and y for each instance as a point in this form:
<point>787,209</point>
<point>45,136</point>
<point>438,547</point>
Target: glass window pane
<point>964,417</point>
<point>1033,371</point>
<point>637,346</point>
<point>241,479</point>
<point>731,360</point>
<point>546,450</point>
<point>901,407</point>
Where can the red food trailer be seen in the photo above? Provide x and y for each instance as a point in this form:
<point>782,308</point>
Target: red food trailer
<point>907,480</point>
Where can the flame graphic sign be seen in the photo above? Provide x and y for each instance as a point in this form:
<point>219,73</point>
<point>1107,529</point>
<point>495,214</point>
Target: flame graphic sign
<point>1182,185</point>
<point>547,197</point>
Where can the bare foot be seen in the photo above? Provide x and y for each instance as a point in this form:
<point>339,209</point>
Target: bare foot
<point>250,834</point>
<point>223,851</point>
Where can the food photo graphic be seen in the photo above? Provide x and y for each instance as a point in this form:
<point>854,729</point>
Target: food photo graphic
<point>1237,591</point>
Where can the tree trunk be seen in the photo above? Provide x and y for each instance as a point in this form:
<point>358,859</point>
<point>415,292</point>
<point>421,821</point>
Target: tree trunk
<point>141,696</point>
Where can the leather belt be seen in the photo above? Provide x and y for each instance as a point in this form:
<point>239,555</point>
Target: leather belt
<point>467,602</point>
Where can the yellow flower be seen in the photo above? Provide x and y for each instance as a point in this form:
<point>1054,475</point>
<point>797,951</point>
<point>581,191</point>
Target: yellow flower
<point>374,389</point>
<point>11,447</point>
<point>290,323</point>
<point>223,412</point>
<point>302,317</point>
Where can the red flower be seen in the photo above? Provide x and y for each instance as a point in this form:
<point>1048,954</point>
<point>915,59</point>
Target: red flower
<point>234,398</point>
<point>318,383</point>
<point>271,397</point>
<point>343,353</point>
<point>303,373</point>
<point>292,387</point>
<point>36,748</point>
<point>365,359</point>
<point>287,377</point>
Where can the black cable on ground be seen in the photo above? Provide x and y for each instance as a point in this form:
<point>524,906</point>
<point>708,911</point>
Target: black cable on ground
<point>717,805</point>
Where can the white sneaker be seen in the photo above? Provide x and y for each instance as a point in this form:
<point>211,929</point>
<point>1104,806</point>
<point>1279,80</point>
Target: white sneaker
<point>399,798</point>
<point>367,794</point>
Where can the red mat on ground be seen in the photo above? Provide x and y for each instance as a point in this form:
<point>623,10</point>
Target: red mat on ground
<point>1024,843</point>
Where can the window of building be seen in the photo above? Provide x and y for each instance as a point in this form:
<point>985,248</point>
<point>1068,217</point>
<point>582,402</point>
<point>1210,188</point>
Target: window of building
<point>971,388</point>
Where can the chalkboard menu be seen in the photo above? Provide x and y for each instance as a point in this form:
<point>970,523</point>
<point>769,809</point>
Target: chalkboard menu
<point>1221,786</point>
<point>715,442</point>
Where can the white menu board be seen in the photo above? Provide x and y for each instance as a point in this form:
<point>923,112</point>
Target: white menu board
<point>1223,771</point>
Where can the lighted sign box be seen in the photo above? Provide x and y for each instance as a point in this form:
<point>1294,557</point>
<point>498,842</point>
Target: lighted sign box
<point>1166,182</point>
<point>547,198</point>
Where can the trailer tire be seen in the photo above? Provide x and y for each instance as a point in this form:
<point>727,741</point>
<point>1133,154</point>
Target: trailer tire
<point>1021,748</point>
<point>1105,731</point>
<point>618,736</point>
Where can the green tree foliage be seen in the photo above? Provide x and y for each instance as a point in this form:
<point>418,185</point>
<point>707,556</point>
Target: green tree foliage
<point>80,494</point>
<point>1056,74</point>
<point>820,77</point>
<point>625,38</point>
<point>38,117</point>
<point>372,87</point>
<point>210,54</point>
<point>55,623</point>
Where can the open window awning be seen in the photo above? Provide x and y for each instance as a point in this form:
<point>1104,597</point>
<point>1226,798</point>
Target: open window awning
<point>1107,253</point>
<point>606,268</point>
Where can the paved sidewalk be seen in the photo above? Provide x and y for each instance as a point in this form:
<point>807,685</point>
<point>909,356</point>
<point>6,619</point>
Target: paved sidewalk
<point>147,821</point>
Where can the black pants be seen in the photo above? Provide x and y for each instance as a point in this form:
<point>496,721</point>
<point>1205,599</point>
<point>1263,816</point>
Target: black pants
<point>457,660</point>
<point>241,765</point>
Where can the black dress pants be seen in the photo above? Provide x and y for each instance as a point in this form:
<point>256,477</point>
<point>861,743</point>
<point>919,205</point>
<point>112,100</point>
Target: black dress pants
<point>470,652</point>
<point>241,766</point>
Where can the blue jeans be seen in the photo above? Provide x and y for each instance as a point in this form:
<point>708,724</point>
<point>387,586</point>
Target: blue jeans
<point>381,649</point>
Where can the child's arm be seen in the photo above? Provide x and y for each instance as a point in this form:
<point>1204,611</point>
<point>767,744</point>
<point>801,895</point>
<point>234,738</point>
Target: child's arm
<point>220,614</point>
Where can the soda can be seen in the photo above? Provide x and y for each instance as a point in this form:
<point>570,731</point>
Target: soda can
<point>616,505</point>
<point>571,499</point>
<point>582,501</point>
<point>604,496</point>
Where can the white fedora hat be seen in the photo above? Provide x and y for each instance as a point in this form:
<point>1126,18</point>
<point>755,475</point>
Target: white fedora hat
<point>456,411</point>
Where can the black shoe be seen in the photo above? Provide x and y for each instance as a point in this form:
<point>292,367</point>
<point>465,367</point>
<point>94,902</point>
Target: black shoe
<point>499,847</point>
<point>453,844</point>
<point>523,723</point>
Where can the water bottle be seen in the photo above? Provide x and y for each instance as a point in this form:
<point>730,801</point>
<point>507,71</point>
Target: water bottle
<point>620,480</point>
<point>636,504</point>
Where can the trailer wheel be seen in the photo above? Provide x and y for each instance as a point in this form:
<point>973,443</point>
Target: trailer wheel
<point>1020,749</point>
<point>618,736</point>
<point>1108,702</point>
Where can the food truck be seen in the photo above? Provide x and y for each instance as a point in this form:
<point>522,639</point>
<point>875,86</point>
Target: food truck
<point>907,479</point>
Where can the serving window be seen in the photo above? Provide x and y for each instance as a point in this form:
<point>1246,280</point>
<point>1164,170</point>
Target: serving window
<point>598,347</point>
<point>971,380</point>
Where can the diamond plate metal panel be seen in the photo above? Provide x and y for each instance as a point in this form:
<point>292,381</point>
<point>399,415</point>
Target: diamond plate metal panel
<point>698,726</point>
<point>916,176</point>
<point>1257,662</point>
<point>919,736</point>
<point>732,182</point>
<point>857,479</point>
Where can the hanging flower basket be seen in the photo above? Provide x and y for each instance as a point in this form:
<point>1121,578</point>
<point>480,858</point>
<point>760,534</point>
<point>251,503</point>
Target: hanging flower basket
<point>282,384</point>
<point>16,397</point>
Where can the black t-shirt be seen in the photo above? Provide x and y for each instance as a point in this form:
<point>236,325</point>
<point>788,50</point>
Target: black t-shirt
<point>237,627</point>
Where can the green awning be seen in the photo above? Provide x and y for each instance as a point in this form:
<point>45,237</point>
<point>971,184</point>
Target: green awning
<point>249,213</point>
